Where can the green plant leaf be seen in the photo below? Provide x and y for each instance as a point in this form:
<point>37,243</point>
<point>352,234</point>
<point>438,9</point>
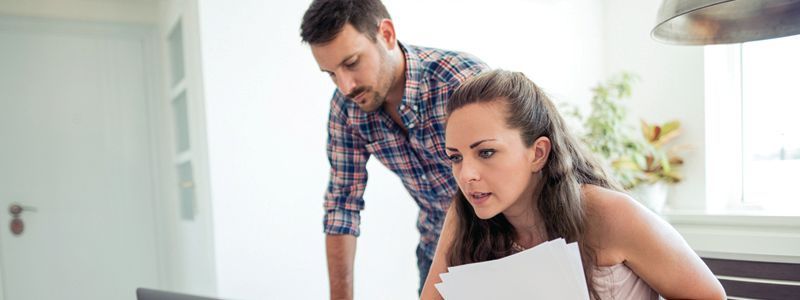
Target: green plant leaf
<point>633,157</point>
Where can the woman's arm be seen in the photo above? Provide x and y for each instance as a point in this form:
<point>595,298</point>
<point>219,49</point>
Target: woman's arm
<point>654,250</point>
<point>439,264</point>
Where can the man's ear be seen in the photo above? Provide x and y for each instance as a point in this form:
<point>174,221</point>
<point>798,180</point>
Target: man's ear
<point>541,152</point>
<point>386,33</point>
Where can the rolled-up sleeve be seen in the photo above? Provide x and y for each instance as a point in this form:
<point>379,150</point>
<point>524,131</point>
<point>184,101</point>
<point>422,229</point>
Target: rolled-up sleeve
<point>348,175</point>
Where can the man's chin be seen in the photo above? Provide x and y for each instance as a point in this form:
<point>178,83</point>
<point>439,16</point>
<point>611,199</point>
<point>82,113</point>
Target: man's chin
<point>370,106</point>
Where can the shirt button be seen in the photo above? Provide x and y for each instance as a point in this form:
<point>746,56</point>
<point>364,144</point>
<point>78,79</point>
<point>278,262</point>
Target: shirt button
<point>424,177</point>
<point>410,125</point>
<point>402,106</point>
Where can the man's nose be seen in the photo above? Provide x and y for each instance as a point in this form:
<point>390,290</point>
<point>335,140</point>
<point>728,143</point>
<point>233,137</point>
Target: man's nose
<point>346,84</point>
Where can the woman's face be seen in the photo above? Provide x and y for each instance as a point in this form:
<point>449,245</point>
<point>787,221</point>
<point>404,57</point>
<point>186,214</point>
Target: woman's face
<point>491,164</point>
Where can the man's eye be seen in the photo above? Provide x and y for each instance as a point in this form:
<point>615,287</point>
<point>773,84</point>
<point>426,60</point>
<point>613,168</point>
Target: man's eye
<point>352,64</point>
<point>486,153</point>
<point>454,158</point>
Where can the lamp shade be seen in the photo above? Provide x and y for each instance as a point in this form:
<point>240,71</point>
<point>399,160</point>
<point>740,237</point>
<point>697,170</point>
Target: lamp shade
<point>705,22</point>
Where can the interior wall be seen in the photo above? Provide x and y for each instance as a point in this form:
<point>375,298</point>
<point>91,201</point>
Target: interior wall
<point>189,243</point>
<point>143,11</point>
<point>671,86</point>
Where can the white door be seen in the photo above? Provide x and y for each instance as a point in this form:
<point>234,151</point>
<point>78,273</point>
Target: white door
<point>75,145</point>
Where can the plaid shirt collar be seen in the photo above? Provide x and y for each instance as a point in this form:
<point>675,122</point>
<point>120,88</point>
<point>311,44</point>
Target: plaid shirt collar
<point>414,72</point>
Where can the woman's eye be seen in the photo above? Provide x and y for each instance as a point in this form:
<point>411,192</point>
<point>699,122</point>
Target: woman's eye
<point>352,64</point>
<point>454,158</point>
<point>486,153</point>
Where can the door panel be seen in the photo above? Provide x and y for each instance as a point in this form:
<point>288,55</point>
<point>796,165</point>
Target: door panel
<point>74,145</point>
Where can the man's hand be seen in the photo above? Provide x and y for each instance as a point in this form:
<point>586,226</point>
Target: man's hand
<point>341,250</point>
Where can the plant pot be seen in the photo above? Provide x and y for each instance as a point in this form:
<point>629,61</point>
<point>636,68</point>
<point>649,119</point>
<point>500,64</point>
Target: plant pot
<point>651,195</point>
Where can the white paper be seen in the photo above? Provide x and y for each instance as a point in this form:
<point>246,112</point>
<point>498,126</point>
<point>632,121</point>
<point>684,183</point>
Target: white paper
<point>551,270</point>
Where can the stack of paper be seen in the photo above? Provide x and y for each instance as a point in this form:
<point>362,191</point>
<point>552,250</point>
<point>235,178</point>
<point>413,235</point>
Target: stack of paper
<point>552,270</point>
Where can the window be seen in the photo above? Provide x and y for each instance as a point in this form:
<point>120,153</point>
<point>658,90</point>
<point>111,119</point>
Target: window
<point>753,126</point>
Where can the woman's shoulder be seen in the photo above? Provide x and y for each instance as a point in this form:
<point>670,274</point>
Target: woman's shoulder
<point>606,204</point>
<point>613,219</point>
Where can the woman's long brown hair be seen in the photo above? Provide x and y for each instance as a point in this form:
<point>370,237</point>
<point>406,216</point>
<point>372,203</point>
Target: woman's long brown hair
<point>568,167</point>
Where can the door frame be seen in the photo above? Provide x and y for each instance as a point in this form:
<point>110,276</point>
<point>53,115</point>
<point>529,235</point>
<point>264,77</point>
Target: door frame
<point>148,35</point>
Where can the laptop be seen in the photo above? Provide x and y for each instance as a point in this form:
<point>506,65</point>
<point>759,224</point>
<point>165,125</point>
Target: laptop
<point>150,294</point>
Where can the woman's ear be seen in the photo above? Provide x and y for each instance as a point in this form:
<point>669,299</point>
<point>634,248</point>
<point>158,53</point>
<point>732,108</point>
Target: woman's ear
<point>541,152</point>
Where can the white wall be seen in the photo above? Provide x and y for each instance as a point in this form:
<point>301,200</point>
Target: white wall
<point>671,86</point>
<point>189,243</point>
<point>266,110</point>
<point>143,11</point>
<point>558,44</point>
<point>267,106</point>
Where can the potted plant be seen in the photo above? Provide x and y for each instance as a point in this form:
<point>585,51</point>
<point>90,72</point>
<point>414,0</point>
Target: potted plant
<point>654,165</point>
<point>641,163</point>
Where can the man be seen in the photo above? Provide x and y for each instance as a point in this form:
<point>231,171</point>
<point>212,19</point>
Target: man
<point>389,103</point>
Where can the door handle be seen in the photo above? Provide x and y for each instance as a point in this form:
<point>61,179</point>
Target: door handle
<point>16,208</point>
<point>17,226</point>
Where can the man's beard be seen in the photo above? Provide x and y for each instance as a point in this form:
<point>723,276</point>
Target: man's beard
<point>373,103</point>
<point>370,103</point>
<point>380,91</point>
<point>376,103</point>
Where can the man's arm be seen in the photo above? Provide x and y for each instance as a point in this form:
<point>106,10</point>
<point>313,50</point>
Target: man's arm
<point>341,250</point>
<point>343,200</point>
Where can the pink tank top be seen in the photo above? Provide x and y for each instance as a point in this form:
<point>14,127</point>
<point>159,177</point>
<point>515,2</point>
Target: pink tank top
<point>620,282</point>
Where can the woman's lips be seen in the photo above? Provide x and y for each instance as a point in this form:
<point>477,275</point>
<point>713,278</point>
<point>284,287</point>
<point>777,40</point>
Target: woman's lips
<point>479,197</point>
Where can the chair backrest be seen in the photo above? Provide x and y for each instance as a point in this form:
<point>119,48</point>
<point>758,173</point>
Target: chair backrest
<point>759,278</point>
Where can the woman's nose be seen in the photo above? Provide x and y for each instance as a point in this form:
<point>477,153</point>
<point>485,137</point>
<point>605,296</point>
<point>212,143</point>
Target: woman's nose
<point>468,172</point>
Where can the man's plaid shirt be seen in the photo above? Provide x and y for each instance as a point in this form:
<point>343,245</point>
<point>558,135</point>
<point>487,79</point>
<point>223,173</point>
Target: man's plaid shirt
<point>417,158</point>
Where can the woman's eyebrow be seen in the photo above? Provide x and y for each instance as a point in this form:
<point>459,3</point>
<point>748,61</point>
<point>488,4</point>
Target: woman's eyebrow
<point>472,146</point>
<point>475,144</point>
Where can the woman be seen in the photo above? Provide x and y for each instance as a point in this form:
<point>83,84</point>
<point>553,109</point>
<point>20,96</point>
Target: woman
<point>524,179</point>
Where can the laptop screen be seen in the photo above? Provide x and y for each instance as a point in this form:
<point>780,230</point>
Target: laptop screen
<point>150,294</point>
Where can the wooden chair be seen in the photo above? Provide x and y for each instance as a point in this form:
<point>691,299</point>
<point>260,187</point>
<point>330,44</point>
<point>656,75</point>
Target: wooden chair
<point>757,278</point>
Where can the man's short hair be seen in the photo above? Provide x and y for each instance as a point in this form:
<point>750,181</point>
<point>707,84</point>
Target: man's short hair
<point>324,19</point>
